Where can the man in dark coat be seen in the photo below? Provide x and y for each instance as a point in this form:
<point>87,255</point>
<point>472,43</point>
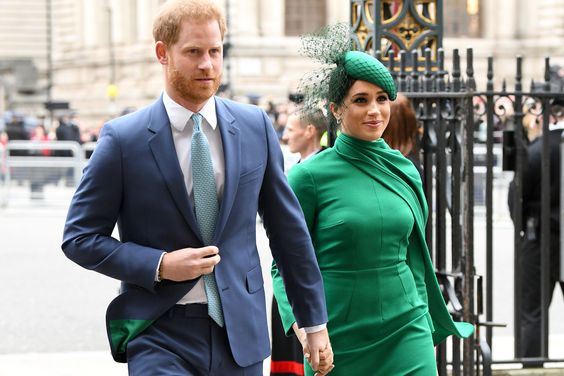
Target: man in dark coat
<point>530,253</point>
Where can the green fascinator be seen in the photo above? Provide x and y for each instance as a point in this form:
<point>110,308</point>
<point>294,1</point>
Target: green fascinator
<point>363,66</point>
<point>332,47</point>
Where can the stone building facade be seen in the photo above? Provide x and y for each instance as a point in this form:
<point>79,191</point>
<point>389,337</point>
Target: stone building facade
<point>96,43</point>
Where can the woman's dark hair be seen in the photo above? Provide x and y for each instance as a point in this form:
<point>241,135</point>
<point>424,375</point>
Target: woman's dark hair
<point>339,85</point>
<point>403,129</point>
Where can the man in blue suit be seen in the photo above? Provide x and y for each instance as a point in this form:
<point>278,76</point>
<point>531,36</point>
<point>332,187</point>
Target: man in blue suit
<point>192,304</point>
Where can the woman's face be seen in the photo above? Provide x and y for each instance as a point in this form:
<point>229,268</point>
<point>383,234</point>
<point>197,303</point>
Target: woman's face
<point>365,111</point>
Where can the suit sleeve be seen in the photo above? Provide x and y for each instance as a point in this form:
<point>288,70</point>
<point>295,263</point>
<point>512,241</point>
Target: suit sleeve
<point>303,187</point>
<point>289,239</point>
<point>93,213</point>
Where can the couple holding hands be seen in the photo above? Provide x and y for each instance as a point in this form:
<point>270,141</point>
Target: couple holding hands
<point>184,179</point>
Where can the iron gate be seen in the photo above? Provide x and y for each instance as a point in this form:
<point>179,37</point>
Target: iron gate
<point>450,109</point>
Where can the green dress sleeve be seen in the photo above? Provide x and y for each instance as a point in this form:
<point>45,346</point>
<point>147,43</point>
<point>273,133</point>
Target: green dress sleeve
<point>303,186</point>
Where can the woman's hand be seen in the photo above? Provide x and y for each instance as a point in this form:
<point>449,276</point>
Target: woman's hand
<point>302,337</point>
<point>323,362</point>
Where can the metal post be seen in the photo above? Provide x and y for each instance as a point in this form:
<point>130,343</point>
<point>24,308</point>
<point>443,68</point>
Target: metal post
<point>489,199</point>
<point>468,219</point>
<point>518,203</point>
<point>227,50</point>
<point>562,207</point>
<point>112,90</point>
<point>545,215</point>
<point>453,126</point>
<point>111,52</point>
<point>49,46</point>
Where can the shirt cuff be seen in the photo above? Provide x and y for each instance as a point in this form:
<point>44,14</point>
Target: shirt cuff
<point>157,279</point>
<point>315,329</point>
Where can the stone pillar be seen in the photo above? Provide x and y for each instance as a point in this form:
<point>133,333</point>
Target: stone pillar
<point>244,17</point>
<point>506,10</point>
<point>271,18</point>
<point>550,19</point>
<point>2,99</point>
<point>527,19</point>
<point>146,11</point>
<point>338,11</point>
<point>95,26</point>
<point>120,20</point>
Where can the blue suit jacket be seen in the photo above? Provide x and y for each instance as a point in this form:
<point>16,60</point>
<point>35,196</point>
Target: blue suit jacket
<point>134,178</point>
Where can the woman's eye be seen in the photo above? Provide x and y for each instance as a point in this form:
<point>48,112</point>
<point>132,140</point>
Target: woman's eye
<point>359,100</point>
<point>382,98</point>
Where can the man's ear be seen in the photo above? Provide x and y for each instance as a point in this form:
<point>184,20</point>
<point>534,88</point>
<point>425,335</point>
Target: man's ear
<point>309,131</point>
<point>162,52</point>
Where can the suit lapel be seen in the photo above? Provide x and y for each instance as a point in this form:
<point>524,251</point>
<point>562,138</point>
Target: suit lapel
<point>164,152</point>
<point>232,158</point>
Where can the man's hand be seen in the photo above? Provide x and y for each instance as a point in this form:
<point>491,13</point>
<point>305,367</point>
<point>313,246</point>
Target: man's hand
<point>189,263</point>
<point>317,350</point>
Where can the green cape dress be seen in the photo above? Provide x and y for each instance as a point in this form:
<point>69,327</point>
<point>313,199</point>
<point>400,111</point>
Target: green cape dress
<point>366,212</point>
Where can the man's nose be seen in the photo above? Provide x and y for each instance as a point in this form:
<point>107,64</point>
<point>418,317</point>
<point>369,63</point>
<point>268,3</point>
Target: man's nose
<point>205,63</point>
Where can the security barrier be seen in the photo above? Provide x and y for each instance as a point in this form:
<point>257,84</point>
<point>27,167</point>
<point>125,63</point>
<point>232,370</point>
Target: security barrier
<point>32,171</point>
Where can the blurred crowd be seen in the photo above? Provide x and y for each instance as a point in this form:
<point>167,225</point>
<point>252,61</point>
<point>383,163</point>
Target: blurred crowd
<point>65,126</point>
<point>15,125</point>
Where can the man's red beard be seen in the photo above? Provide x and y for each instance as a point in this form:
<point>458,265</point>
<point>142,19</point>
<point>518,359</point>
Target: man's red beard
<point>189,88</point>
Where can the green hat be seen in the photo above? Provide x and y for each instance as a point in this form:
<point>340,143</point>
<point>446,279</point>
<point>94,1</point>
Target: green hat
<point>365,67</point>
<point>332,47</point>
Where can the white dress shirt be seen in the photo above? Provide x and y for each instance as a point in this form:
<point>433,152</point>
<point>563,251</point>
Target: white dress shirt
<point>182,128</point>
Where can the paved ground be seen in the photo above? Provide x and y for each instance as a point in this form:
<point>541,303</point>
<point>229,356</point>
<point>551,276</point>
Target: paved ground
<point>52,321</point>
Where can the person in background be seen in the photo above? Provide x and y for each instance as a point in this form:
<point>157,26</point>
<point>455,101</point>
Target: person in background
<point>403,131</point>
<point>184,179</point>
<point>3,154</point>
<point>281,119</point>
<point>15,130</point>
<point>303,132</point>
<point>67,130</point>
<point>365,209</point>
<point>532,120</point>
<point>530,246</point>
<point>39,175</point>
<point>39,134</point>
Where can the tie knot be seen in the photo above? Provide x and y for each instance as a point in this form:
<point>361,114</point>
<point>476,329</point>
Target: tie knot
<point>197,119</point>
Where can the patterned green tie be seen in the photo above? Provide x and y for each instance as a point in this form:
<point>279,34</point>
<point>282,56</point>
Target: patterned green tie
<point>205,202</point>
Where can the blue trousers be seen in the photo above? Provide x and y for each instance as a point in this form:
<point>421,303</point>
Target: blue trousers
<point>185,342</point>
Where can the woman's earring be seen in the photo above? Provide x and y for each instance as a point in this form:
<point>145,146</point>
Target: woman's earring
<point>338,121</point>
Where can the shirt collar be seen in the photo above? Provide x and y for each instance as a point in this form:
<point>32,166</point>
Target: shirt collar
<point>557,126</point>
<point>310,155</point>
<point>179,116</point>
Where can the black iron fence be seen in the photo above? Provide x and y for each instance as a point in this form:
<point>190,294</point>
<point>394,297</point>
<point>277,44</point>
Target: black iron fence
<point>456,117</point>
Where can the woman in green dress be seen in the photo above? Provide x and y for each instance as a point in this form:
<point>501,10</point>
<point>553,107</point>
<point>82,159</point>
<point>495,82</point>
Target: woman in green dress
<point>365,209</point>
